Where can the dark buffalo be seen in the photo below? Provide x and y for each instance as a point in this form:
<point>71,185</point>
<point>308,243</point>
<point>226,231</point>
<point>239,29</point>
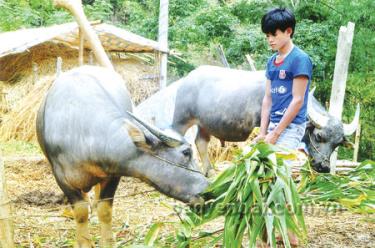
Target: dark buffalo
<point>226,104</point>
<point>89,137</point>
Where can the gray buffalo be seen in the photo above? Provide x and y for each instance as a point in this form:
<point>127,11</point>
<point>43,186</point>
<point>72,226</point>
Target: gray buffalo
<point>89,135</point>
<point>226,104</point>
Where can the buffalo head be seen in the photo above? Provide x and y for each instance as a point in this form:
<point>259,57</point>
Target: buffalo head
<point>324,133</point>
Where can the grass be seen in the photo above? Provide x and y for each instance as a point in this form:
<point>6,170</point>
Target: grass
<point>19,148</point>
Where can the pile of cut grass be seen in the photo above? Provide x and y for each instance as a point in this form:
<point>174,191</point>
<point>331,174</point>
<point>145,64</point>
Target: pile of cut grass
<point>353,190</point>
<point>257,198</point>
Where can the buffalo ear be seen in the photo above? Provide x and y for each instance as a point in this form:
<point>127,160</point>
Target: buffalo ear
<point>139,138</point>
<point>346,143</point>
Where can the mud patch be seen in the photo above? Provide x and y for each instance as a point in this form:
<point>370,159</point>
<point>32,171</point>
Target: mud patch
<point>38,198</point>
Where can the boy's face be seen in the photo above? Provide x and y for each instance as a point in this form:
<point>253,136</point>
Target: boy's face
<point>278,40</point>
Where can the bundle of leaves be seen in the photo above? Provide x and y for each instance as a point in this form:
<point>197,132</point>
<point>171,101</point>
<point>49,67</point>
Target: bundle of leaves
<point>256,196</point>
<point>354,190</point>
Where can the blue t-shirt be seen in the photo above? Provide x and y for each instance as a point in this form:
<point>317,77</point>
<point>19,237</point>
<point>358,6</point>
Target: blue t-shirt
<point>296,63</point>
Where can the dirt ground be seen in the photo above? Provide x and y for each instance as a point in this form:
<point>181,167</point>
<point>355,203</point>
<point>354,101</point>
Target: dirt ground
<point>41,216</point>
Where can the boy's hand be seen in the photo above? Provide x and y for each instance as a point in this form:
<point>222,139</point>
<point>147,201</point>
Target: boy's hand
<point>260,137</point>
<point>271,137</point>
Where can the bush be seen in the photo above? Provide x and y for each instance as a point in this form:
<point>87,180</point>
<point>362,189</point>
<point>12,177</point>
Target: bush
<point>249,41</point>
<point>249,11</point>
<point>217,22</point>
<point>99,10</point>
<point>313,11</point>
<point>360,90</point>
<point>140,17</point>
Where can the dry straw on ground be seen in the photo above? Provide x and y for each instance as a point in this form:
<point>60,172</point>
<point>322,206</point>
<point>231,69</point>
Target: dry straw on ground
<point>31,74</point>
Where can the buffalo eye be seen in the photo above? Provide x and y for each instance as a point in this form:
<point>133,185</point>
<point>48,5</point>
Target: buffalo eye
<point>187,152</point>
<point>319,137</point>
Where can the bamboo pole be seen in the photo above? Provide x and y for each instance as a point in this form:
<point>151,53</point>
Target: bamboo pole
<point>251,62</point>
<point>75,7</point>
<point>356,143</point>
<point>344,47</point>
<point>163,41</point>
<point>6,223</point>
<point>81,47</point>
<point>222,56</point>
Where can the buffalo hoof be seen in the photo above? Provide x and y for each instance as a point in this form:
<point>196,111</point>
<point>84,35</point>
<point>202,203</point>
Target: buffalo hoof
<point>84,244</point>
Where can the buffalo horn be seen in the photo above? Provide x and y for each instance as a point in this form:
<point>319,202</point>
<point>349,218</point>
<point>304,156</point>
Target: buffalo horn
<point>160,134</point>
<point>315,116</point>
<point>349,129</point>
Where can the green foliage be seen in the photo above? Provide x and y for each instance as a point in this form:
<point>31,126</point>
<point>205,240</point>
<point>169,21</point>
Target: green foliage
<point>360,89</point>
<point>248,41</point>
<point>256,196</point>
<point>249,11</point>
<point>140,17</point>
<point>99,10</point>
<point>217,22</point>
<point>181,8</point>
<point>15,147</point>
<point>312,10</point>
<point>317,40</point>
<point>354,190</point>
<point>17,14</point>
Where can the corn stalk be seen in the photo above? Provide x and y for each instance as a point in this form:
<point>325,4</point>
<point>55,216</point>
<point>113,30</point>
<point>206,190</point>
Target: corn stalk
<point>257,197</point>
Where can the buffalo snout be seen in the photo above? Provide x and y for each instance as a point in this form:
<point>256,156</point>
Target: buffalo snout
<point>321,167</point>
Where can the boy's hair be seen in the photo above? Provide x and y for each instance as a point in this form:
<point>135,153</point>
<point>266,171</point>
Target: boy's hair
<point>278,18</point>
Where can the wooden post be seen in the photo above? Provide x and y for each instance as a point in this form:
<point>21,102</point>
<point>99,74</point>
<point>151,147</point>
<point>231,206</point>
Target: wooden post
<point>356,143</point>
<point>344,47</point>
<point>251,62</point>
<point>58,66</point>
<point>163,41</point>
<point>222,56</point>
<point>6,223</point>
<point>91,58</point>
<point>81,47</point>
<point>75,7</point>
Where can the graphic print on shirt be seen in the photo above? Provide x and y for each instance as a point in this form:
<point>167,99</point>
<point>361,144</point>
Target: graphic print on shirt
<point>282,74</point>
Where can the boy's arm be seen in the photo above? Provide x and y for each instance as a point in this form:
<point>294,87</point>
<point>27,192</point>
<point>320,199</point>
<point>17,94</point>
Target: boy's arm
<point>299,88</point>
<point>265,112</point>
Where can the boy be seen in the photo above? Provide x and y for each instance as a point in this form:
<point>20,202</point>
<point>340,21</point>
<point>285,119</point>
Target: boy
<point>289,71</point>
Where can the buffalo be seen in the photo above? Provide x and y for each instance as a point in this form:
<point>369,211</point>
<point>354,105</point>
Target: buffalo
<point>226,103</point>
<point>89,135</point>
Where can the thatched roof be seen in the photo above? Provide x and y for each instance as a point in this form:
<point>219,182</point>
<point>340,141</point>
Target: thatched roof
<point>112,39</point>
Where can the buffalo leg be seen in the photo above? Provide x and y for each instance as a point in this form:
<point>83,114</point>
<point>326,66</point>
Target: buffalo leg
<point>201,141</point>
<point>81,213</point>
<point>95,200</point>
<point>104,208</point>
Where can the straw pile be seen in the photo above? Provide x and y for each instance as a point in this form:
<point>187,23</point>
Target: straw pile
<point>220,154</point>
<point>32,73</point>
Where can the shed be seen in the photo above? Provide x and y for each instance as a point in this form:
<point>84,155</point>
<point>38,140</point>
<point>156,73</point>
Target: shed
<point>28,65</point>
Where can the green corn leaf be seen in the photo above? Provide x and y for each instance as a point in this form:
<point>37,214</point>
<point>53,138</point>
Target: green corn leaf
<point>258,180</point>
<point>282,228</point>
<point>223,178</point>
<point>152,234</point>
<point>268,219</point>
<point>276,189</point>
<point>255,229</point>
